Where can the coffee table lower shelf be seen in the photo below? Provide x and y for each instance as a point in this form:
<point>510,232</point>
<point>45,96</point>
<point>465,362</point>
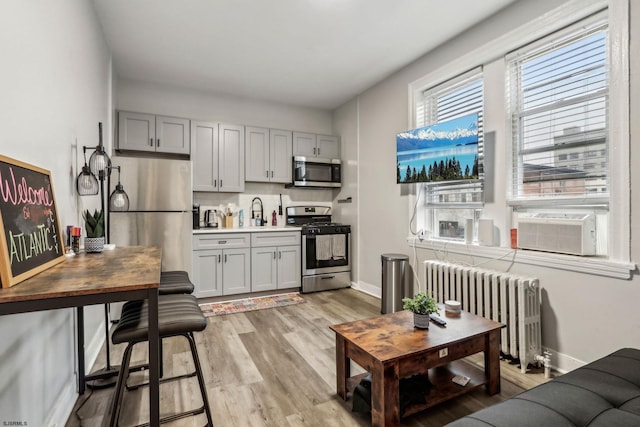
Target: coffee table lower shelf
<point>443,388</point>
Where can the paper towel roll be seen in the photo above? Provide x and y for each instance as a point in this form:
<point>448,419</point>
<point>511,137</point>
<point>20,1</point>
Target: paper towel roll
<point>468,231</point>
<point>485,232</point>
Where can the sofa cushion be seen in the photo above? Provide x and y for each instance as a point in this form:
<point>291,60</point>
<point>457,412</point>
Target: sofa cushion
<point>603,393</point>
<point>616,418</point>
<point>514,412</point>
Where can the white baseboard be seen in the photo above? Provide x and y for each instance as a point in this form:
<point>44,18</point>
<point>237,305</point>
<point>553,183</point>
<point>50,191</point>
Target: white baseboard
<point>367,288</point>
<point>92,350</point>
<point>563,363</point>
<point>63,407</point>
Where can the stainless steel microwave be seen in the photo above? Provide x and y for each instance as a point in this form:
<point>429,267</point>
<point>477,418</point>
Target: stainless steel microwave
<point>316,172</point>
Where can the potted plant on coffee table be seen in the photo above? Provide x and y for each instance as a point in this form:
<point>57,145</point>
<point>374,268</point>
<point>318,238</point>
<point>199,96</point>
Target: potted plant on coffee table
<point>421,305</point>
<point>94,226</point>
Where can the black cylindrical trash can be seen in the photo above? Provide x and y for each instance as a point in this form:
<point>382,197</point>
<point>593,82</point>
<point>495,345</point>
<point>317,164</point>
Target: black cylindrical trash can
<point>397,282</point>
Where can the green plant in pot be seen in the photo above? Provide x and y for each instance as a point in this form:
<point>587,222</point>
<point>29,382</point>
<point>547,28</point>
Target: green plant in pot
<point>94,227</point>
<point>421,305</point>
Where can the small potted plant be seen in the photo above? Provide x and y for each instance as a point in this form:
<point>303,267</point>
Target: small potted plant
<point>421,305</point>
<point>94,226</point>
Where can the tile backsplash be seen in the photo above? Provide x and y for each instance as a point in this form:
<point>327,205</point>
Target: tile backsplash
<point>270,196</point>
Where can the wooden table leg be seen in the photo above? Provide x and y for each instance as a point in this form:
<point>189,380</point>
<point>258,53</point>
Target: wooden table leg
<point>492,362</point>
<point>343,367</point>
<point>385,395</point>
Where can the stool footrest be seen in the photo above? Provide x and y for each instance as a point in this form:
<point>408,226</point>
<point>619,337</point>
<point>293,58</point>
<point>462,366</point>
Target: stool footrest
<point>175,417</point>
<point>162,380</point>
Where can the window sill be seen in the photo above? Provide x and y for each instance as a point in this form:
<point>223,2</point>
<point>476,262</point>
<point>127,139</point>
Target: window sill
<point>587,265</point>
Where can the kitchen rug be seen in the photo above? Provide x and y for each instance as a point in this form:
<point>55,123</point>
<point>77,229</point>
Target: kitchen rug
<point>250,304</point>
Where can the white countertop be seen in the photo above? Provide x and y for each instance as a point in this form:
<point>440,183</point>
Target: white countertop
<point>248,229</point>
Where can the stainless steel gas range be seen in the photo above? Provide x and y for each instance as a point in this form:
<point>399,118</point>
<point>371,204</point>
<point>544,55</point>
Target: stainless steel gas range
<point>326,248</point>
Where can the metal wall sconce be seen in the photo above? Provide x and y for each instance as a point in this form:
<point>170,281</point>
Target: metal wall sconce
<point>119,200</point>
<point>87,185</point>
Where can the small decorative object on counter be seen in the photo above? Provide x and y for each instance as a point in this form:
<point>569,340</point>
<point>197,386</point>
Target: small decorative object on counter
<point>94,225</point>
<point>274,221</point>
<point>241,218</point>
<point>422,305</point>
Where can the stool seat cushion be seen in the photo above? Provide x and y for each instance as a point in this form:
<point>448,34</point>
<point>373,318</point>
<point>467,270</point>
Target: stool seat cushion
<point>175,282</point>
<point>177,314</point>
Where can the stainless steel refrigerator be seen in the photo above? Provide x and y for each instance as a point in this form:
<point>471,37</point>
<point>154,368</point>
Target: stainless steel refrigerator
<point>160,211</point>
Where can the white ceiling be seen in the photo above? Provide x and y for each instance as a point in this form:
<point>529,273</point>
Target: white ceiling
<point>315,53</point>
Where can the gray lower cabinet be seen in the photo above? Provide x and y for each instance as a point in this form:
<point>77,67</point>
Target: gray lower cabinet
<point>275,261</point>
<point>221,264</point>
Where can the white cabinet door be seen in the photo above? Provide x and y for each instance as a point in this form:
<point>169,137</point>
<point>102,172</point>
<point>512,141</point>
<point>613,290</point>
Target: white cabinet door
<point>289,267</point>
<point>236,271</point>
<point>327,147</point>
<point>264,271</point>
<point>257,154</point>
<point>136,131</point>
<point>281,155</point>
<point>304,144</point>
<point>172,135</point>
<point>204,155</point>
<point>207,273</point>
<point>231,160</point>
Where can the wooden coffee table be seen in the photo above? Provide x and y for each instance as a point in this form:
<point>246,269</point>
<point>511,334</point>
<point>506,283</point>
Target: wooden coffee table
<point>390,348</point>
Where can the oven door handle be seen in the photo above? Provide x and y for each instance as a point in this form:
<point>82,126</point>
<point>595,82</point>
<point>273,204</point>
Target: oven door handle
<point>327,277</point>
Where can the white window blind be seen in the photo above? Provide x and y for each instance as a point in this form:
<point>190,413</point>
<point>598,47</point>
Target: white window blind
<point>455,98</point>
<point>559,116</point>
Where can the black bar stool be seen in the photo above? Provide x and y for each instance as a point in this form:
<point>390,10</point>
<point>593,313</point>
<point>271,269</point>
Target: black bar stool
<point>178,315</point>
<point>175,282</point>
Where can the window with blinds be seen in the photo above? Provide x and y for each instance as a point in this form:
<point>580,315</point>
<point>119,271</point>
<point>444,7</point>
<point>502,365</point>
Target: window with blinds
<point>558,109</point>
<point>455,98</point>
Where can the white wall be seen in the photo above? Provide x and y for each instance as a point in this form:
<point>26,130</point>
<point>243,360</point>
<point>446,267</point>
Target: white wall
<point>198,105</point>
<point>345,124</point>
<point>54,81</point>
<point>573,303</point>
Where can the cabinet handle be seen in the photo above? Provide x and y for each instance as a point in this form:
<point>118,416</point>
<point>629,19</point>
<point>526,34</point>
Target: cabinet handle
<point>318,151</point>
<point>274,254</point>
<point>158,142</point>
<point>220,183</point>
<point>222,242</point>
<point>314,150</point>
<point>215,183</point>
<point>219,259</point>
<point>151,142</point>
<point>225,258</point>
<point>271,174</point>
<point>267,174</point>
<point>279,255</point>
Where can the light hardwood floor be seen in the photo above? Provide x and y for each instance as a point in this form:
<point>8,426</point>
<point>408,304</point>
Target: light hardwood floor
<point>274,367</point>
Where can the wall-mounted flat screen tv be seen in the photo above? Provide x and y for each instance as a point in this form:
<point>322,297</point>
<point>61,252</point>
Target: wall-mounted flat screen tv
<point>445,151</point>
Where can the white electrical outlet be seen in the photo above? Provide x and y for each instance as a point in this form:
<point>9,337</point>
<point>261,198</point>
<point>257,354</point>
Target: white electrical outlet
<point>444,352</point>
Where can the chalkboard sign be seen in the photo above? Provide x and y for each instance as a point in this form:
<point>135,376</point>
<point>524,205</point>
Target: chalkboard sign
<point>30,235</point>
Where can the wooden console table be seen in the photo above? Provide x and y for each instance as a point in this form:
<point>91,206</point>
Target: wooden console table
<point>390,348</point>
<point>123,274</point>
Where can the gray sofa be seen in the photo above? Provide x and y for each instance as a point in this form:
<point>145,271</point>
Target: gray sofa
<point>603,393</point>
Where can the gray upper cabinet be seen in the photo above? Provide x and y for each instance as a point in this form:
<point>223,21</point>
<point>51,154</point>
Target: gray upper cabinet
<point>304,144</point>
<point>268,155</point>
<point>328,146</point>
<point>217,152</point>
<point>312,145</point>
<point>153,134</point>
<point>280,155</point>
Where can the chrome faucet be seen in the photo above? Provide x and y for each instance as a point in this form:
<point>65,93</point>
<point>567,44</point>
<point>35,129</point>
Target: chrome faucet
<point>253,213</point>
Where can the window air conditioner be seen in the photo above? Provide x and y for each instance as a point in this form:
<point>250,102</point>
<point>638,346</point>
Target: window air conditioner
<point>573,234</point>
